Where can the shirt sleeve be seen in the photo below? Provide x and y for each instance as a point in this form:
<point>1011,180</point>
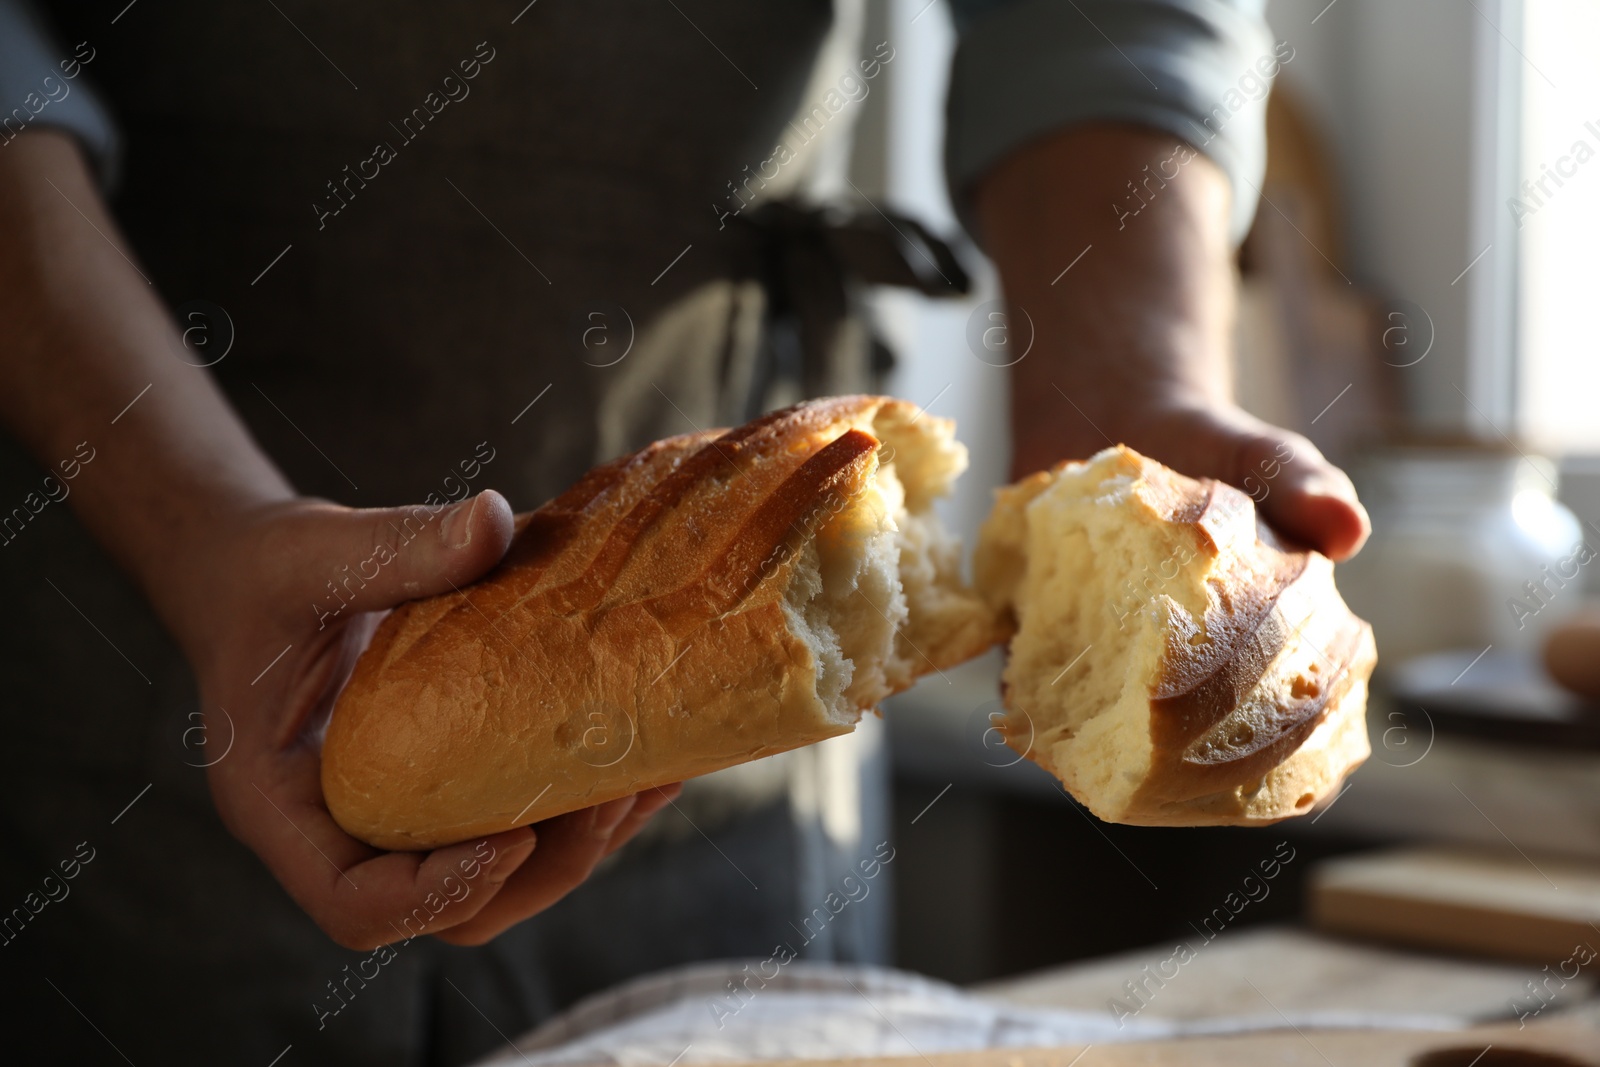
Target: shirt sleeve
<point>42,85</point>
<point>1199,70</point>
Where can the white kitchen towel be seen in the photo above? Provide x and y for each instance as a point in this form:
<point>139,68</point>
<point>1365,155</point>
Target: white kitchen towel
<point>733,1012</point>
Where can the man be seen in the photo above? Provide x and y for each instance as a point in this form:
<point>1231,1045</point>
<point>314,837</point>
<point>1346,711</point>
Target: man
<point>410,218</point>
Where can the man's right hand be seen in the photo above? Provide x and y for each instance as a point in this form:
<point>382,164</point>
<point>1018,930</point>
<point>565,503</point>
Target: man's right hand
<point>275,655</point>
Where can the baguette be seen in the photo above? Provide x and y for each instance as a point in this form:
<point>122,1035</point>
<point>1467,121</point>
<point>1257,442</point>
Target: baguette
<point>711,599</point>
<point>719,597</point>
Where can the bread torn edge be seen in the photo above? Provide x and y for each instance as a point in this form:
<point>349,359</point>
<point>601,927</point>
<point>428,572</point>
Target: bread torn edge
<point>877,594</point>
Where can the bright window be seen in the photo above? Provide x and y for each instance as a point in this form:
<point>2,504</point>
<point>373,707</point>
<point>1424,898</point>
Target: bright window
<point>1557,206</point>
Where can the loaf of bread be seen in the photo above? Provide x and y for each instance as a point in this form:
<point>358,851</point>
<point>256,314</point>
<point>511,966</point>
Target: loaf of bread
<point>1172,661</point>
<point>711,599</point>
<point>719,597</point>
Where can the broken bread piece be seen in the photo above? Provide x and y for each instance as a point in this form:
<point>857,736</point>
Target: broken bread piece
<point>711,599</point>
<point>1173,662</point>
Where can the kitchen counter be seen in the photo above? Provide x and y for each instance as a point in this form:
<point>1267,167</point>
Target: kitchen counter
<point>1420,783</point>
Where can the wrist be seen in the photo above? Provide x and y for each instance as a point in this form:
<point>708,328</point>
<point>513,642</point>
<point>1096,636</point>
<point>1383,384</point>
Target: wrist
<point>174,471</point>
<point>198,569</point>
<point>1142,320</point>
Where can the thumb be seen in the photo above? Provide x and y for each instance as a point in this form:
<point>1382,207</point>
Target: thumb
<point>390,555</point>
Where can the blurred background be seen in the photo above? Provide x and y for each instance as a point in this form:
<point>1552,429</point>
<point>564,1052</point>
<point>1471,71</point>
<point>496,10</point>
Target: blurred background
<point>1417,296</point>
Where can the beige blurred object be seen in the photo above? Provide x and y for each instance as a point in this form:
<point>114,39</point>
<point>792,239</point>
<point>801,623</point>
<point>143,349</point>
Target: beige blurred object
<point>1502,904</point>
<point>1298,159</point>
<point>1312,347</point>
<point>1572,653</point>
<point>1469,548</point>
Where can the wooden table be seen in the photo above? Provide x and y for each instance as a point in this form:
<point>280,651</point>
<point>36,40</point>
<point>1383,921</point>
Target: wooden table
<point>1284,971</point>
<point>1281,969</point>
<point>1537,1046</point>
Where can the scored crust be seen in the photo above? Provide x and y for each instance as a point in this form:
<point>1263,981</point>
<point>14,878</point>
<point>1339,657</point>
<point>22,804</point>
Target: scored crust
<point>697,604</point>
<point>641,630</point>
<point>1229,685</point>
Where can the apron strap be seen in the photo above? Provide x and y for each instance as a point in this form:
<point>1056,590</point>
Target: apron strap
<point>813,264</point>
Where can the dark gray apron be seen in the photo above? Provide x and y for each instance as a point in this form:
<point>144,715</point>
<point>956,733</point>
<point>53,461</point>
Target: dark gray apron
<point>539,263</point>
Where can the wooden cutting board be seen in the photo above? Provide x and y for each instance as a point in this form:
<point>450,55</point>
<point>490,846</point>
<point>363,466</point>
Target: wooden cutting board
<point>1300,971</point>
<point>1537,1046</point>
<point>1508,905</point>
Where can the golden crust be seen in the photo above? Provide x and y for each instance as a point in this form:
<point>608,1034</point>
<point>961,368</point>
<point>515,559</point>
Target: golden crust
<point>1249,720</point>
<point>635,635</point>
<point>1197,759</point>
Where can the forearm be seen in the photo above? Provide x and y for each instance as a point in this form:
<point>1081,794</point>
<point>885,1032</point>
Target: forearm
<point>86,334</point>
<point>1148,309</point>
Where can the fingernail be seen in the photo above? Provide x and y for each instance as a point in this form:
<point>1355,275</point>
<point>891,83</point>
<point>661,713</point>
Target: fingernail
<point>609,816</point>
<point>527,842</point>
<point>457,527</point>
<point>653,801</point>
<point>508,858</point>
